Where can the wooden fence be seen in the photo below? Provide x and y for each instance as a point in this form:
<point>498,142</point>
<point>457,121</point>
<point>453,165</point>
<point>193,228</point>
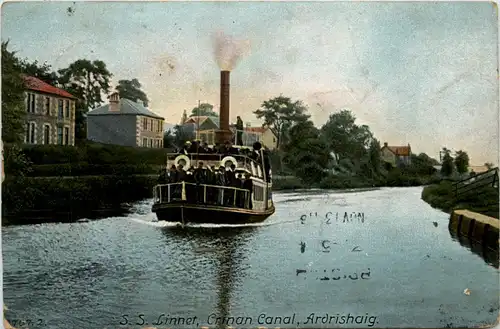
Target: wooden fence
<point>477,185</point>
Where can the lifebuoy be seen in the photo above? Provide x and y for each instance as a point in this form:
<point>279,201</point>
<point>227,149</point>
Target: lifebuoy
<point>183,158</point>
<point>226,159</point>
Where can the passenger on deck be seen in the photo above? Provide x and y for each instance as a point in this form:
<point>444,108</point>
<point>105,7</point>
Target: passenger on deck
<point>180,176</point>
<point>190,188</point>
<point>206,149</point>
<point>193,148</point>
<point>211,180</point>
<point>229,149</point>
<point>200,179</point>
<point>163,177</point>
<point>185,149</point>
<point>256,151</point>
<point>240,195</point>
<point>248,185</point>
<point>239,131</point>
<point>267,164</point>
<point>220,179</point>
<point>172,175</point>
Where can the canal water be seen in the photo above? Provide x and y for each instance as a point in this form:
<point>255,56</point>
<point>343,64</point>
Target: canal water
<point>391,262</point>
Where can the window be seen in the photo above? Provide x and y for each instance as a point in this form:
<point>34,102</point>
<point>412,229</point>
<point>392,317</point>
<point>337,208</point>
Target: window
<point>151,124</point>
<point>60,112</point>
<point>66,135</point>
<point>59,135</point>
<point>46,134</point>
<point>161,143</point>
<point>47,105</point>
<point>151,143</point>
<point>160,126</point>
<point>258,193</point>
<point>145,142</point>
<point>144,124</point>
<point>30,105</point>
<point>67,109</point>
<point>30,133</point>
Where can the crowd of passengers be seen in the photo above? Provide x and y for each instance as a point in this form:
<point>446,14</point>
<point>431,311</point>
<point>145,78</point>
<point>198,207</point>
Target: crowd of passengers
<point>210,175</point>
<point>217,177</point>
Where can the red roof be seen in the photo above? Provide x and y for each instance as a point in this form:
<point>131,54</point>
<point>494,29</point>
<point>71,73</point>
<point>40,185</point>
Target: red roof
<point>36,84</point>
<point>400,150</point>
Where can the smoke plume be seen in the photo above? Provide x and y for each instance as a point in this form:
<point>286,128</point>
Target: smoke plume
<point>228,51</point>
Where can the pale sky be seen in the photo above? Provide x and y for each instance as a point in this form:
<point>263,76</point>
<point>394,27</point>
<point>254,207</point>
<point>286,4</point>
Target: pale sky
<point>417,73</point>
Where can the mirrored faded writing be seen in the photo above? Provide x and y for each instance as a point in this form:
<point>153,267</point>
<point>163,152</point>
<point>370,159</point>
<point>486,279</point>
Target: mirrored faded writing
<point>333,217</point>
<point>328,245</point>
<point>334,274</point>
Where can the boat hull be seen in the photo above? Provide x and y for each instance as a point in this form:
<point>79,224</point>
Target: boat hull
<point>193,213</point>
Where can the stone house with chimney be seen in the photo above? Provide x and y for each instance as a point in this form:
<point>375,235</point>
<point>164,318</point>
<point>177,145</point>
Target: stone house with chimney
<point>50,113</point>
<point>125,122</point>
<point>396,155</point>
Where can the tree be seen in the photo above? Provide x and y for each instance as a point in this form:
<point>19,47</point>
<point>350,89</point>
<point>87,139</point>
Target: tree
<point>168,140</point>
<point>447,164</point>
<point>204,109</point>
<point>306,153</point>
<point>86,80</point>
<point>279,114</point>
<point>462,161</point>
<point>41,71</point>
<point>489,165</point>
<point>13,106</point>
<point>131,89</point>
<point>374,155</point>
<point>181,136</point>
<point>344,137</point>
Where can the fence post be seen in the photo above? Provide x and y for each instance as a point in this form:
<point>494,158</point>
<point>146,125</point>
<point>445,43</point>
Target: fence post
<point>183,195</point>
<point>168,191</point>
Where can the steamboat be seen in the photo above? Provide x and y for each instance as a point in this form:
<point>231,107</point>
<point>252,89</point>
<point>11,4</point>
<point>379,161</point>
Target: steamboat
<point>186,201</point>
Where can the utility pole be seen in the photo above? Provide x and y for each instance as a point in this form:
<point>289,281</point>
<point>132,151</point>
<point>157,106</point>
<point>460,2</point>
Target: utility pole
<point>198,121</point>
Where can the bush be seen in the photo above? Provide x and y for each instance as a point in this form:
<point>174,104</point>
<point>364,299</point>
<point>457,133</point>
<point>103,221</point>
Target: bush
<point>77,196</point>
<point>288,183</point>
<point>84,169</point>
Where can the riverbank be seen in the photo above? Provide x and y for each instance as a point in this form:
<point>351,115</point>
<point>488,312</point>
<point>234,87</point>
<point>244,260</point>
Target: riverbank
<point>442,196</point>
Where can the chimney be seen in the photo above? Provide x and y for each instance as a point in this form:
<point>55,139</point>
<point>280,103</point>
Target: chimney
<point>224,100</point>
<point>114,102</point>
<point>224,134</point>
<point>385,144</point>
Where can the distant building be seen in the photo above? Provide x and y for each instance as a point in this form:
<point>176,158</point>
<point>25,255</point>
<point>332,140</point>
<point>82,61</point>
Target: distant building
<point>396,155</point>
<point>50,115</point>
<point>125,122</point>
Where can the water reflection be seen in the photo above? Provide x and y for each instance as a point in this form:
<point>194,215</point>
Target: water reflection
<point>487,253</point>
<point>228,246</point>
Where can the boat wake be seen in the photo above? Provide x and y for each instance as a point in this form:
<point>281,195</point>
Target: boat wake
<point>165,224</point>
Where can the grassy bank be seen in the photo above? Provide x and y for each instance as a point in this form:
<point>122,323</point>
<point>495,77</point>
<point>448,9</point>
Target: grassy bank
<point>27,200</point>
<point>442,196</point>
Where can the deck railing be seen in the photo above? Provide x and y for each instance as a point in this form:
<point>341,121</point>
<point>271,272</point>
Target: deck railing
<point>247,137</point>
<point>202,194</point>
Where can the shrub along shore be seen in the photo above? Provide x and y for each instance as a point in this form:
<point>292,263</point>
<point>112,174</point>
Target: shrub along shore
<point>442,196</point>
<point>47,183</point>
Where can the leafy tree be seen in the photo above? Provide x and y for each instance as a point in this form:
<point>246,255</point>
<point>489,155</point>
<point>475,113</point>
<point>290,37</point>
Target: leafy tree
<point>489,165</point>
<point>447,165</point>
<point>16,163</point>
<point>13,106</point>
<point>86,80</point>
<point>181,136</point>
<point>374,156</point>
<point>204,109</point>
<point>344,137</point>
<point>168,140</point>
<point>462,161</point>
<point>279,114</point>
<point>41,71</point>
<point>131,89</point>
<point>306,153</point>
